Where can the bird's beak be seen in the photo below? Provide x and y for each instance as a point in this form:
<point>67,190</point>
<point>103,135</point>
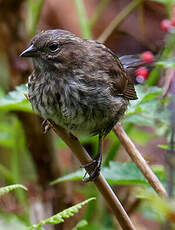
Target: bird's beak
<point>31,51</point>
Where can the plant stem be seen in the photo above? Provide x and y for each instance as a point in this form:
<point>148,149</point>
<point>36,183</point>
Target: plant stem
<point>84,25</point>
<point>118,19</point>
<point>139,160</point>
<point>100,182</point>
<point>171,152</point>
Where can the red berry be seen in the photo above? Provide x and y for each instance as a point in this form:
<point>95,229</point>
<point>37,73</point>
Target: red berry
<point>140,79</point>
<point>173,21</point>
<point>165,24</point>
<point>147,57</point>
<point>142,71</point>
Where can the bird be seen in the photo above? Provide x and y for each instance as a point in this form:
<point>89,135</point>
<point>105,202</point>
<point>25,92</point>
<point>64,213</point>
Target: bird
<point>79,84</point>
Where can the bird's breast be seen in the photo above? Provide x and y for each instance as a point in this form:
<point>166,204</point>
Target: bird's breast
<point>75,105</point>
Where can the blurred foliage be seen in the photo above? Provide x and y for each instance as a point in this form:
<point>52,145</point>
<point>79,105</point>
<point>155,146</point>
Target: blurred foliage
<point>59,217</point>
<point>10,188</point>
<point>155,207</point>
<point>10,222</point>
<point>80,225</point>
<point>16,100</point>
<point>33,14</point>
<point>149,111</point>
<point>117,173</point>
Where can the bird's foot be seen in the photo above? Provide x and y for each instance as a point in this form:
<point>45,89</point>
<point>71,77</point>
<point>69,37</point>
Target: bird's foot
<point>94,165</point>
<point>45,126</point>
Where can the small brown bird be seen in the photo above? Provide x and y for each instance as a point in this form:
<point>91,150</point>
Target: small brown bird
<point>78,84</point>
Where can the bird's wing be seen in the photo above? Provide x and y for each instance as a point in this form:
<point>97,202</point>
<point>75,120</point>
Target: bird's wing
<point>121,81</point>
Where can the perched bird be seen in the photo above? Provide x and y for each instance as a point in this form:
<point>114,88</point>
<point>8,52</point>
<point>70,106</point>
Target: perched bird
<point>78,84</point>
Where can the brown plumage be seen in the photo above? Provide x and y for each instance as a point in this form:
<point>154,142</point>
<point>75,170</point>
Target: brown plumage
<point>79,84</point>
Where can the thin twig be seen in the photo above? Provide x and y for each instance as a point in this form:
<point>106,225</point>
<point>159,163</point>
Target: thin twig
<point>169,87</point>
<point>171,151</point>
<point>167,82</point>
<point>118,19</point>
<point>100,182</point>
<point>139,160</point>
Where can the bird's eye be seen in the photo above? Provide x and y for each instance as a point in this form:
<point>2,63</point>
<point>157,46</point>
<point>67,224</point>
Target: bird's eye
<point>53,46</point>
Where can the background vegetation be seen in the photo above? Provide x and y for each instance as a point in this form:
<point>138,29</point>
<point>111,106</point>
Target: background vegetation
<point>33,159</point>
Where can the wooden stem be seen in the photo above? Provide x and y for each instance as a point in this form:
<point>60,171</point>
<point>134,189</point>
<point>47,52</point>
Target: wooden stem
<point>100,182</point>
<point>139,160</point>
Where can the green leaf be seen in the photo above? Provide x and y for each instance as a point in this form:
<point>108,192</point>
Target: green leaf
<point>123,173</point>
<point>10,188</point>
<point>139,120</point>
<point>149,109</point>
<point>78,175</point>
<point>15,100</point>
<point>59,218</point>
<point>145,94</point>
<point>116,173</point>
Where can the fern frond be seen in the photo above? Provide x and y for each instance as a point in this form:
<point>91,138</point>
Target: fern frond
<point>10,188</point>
<point>59,217</point>
<point>81,224</point>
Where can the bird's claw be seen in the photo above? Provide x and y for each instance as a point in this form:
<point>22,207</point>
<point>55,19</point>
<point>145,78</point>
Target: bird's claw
<point>95,164</point>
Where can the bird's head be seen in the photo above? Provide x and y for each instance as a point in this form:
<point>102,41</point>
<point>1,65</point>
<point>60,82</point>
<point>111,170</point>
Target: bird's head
<point>55,48</point>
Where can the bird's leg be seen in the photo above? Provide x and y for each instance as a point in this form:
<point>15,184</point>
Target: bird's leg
<point>45,126</point>
<point>95,163</point>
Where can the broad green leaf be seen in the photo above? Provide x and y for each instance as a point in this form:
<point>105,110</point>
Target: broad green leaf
<point>123,173</point>
<point>15,100</point>
<point>116,173</point>
<point>145,94</point>
<point>77,175</point>
<point>149,109</point>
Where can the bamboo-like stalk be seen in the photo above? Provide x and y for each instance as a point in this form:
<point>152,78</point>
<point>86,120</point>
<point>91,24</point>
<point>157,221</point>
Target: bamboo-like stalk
<point>139,160</point>
<point>100,182</point>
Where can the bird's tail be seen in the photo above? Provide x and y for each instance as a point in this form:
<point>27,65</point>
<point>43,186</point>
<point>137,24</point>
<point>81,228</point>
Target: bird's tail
<point>132,62</point>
